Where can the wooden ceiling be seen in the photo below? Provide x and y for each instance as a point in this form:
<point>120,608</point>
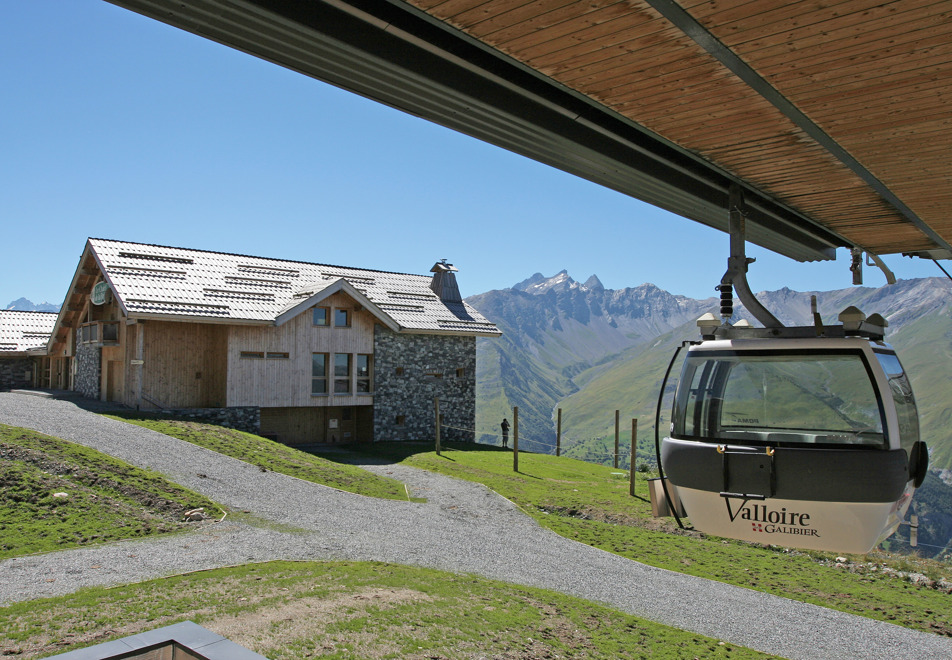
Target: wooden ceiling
<point>876,77</point>
<point>833,114</point>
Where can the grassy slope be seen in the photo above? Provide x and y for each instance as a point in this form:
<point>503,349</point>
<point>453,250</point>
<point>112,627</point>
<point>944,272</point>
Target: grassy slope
<point>587,503</point>
<point>630,385</point>
<point>289,610</point>
<point>925,348</point>
<point>106,499</point>
<point>271,455</point>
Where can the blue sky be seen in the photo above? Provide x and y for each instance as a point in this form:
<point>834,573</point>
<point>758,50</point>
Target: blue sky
<point>116,126</point>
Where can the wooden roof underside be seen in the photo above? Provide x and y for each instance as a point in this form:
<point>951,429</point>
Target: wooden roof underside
<point>833,114</point>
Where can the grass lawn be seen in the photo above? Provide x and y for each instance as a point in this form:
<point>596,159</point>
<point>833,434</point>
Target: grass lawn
<point>286,611</point>
<point>102,498</point>
<point>270,455</point>
<point>590,504</point>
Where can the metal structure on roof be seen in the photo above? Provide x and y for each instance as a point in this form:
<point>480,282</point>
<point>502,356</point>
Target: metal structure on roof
<point>833,117</point>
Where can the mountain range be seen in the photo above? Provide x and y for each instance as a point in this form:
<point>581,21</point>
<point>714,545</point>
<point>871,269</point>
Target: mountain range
<point>24,305</point>
<point>590,351</point>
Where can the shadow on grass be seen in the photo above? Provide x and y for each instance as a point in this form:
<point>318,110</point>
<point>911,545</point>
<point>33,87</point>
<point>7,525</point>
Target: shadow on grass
<point>389,453</point>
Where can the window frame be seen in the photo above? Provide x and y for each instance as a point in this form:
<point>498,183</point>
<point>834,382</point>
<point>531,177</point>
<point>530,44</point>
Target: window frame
<point>327,317</point>
<point>316,378</point>
<point>368,380</point>
<point>347,317</point>
<point>343,379</point>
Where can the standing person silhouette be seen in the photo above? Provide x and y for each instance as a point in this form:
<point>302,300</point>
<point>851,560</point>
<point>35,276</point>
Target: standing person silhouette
<point>505,432</point>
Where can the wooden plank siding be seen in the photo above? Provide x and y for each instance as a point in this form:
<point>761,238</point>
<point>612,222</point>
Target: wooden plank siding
<point>282,383</point>
<point>298,426</point>
<point>873,75</point>
<point>184,364</point>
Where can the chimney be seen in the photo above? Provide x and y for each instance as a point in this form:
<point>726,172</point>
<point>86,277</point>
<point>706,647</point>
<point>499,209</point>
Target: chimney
<point>444,282</point>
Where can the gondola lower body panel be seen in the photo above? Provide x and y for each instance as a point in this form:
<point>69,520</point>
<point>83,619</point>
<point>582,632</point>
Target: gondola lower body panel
<point>848,527</point>
<point>840,500</point>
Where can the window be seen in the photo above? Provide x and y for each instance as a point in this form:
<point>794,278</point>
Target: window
<point>460,373</point>
<point>342,373</point>
<point>399,371</point>
<point>902,396</point>
<point>401,420</point>
<point>277,356</point>
<point>319,373</point>
<point>765,397</point>
<point>322,316</point>
<point>252,355</point>
<point>101,333</point>
<point>341,318</point>
<point>110,332</point>
<point>89,333</point>
<point>364,371</point>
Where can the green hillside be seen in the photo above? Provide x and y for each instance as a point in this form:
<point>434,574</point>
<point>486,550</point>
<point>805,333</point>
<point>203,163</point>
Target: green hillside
<point>925,348</point>
<point>508,378</point>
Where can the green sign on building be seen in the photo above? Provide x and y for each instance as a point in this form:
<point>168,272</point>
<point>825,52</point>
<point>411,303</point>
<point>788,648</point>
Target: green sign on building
<point>99,293</point>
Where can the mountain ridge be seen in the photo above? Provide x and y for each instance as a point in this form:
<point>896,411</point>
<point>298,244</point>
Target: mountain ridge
<point>589,351</point>
<point>560,336</point>
<point>24,305</point>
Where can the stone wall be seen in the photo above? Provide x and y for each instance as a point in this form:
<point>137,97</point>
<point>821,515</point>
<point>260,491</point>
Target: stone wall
<point>241,418</point>
<point>409,372</point>
<point>88,370</point>
<point>16,373</point>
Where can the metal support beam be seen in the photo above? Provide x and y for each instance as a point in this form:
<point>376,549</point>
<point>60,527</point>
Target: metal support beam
<point>672,11</point>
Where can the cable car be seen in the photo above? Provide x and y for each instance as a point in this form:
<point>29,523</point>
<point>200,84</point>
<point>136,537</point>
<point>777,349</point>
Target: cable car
<point>799,441</point>
<point>803,436</point>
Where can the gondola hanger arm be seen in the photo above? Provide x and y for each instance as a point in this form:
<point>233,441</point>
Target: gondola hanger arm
<point>738,261</point>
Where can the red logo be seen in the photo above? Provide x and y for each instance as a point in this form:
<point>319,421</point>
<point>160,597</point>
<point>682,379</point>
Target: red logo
<point>757,527</point>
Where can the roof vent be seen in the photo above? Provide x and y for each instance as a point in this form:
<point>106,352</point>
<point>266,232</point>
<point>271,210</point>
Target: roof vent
<point>444,282</point>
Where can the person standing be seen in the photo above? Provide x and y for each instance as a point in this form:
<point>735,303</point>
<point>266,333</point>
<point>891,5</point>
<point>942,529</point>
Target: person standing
<point>505,432</point>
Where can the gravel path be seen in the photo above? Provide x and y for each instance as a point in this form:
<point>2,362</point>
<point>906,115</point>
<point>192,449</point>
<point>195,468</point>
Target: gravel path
<point>463,527</point>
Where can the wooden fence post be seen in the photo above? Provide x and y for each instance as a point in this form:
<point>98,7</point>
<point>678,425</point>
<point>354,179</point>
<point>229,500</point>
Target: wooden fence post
<point>558,434</point>
<point>515,439</point>
<point>436,408</point>
<point>634,445</point>
<point>616,440</point>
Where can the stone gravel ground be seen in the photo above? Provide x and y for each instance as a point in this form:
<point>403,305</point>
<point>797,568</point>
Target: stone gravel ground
<point>463,527</point>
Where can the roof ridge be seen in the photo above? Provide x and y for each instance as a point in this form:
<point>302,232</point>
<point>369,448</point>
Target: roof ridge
<point>252,256</point>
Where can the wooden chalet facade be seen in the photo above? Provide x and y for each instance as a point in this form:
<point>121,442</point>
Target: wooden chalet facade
<point>23,359</point>
<point>299,351</point>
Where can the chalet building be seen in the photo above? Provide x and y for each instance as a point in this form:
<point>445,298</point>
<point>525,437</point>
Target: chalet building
<point>23,361</point>
<point>303,352</point>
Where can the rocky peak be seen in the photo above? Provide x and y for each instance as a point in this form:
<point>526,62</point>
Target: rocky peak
<point>538,284</point>
<point>593,284</point>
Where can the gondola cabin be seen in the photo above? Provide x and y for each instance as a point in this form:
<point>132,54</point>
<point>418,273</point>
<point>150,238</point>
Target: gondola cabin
<point>784,437</point>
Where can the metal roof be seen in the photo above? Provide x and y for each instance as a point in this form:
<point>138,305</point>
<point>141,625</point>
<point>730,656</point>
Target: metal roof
<point>152,281</point>
<point>834,116</point>
<point>21,332</point>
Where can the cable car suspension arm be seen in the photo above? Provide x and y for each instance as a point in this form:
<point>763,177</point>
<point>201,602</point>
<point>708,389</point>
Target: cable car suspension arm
<point>738,261</point>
